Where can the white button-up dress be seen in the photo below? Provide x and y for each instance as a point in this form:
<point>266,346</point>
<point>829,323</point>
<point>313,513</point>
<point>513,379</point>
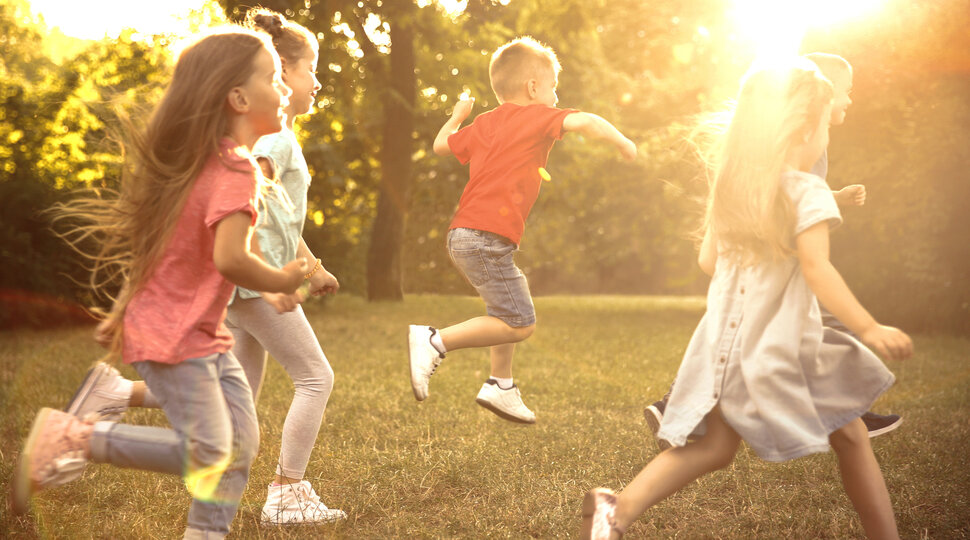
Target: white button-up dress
<point>759,352</point>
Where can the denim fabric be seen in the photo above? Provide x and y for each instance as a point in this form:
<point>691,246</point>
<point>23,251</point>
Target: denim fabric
<point>210,407</point>
<point>486,261</point>
<point>279,226</point>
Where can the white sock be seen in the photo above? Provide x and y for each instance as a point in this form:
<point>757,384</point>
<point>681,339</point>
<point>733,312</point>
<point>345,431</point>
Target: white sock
<point>504,384</point>
<point>437,343</point>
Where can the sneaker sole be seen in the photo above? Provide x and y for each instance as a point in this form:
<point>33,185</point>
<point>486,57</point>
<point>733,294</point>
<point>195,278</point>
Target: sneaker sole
<point>653,417</point>
<point>270,523</point>
<point>502,414</point>
<point>87,385</point>
<point>23,487</point>
<point>414,389</point>
<point>887,429</point>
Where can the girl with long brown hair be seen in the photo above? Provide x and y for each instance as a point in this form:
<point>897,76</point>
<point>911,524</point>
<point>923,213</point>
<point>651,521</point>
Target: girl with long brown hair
<point>178,235</point>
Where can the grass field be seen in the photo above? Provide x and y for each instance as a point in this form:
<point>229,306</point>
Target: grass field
<point>447,468</point>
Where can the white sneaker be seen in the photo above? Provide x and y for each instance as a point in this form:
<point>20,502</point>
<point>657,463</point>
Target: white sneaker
<point>53,454</point>
<point>505,403</point>
<point>424,358</point>
<point>103,395</point>
<point>294,504</point>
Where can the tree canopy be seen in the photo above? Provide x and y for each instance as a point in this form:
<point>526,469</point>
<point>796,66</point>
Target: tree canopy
<point>381,201</point>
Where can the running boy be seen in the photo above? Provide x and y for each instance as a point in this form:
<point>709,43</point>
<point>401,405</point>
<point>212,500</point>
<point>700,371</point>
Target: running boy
<point>507,149</point>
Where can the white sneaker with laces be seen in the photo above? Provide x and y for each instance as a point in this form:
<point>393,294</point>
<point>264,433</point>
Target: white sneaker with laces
<point>506,403</point>
<point>294,504</point>
<point>103,395</point>
<point>424,358</point>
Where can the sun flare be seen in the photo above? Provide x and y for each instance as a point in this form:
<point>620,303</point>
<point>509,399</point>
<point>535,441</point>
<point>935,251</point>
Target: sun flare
<point>777,27</point>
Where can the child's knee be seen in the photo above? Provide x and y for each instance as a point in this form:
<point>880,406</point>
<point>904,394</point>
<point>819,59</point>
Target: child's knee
<point>849,436</point>
<point>238,449</point>
<point>208,453</point>
<point>319,379</point>
<point>718,454</point>
<point>522,333</point>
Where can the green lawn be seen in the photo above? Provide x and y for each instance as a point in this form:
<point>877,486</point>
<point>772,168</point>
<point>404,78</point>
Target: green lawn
<point>447,468</point>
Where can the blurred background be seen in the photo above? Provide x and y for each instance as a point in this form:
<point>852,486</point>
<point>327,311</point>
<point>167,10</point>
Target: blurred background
<point>391,70</point>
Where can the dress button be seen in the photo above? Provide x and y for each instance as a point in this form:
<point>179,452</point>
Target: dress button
<point>742,290</point>
<point>723,359</point>
<point>715,395</point>
<point>733,324</point>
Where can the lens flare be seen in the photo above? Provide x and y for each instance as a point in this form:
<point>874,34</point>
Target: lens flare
<point>776,27</point>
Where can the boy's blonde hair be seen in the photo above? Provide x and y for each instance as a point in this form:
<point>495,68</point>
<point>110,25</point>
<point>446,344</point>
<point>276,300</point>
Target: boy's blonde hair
<point>131,229</point>
<point>518,61</point>
<point>292,40</point>
<point>829,64</point>
<point>777,109</point>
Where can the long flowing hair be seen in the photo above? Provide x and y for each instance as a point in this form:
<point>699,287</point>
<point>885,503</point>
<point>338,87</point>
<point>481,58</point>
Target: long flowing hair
<point>130,229</point>
<point>778,107</point>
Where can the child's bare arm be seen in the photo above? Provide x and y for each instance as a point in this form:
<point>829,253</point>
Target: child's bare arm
<point>266,166</point>
<point>234,260</point>
<point>595,127</point>
<point>825,281</point>
<point>462,109</point>
<point>707,258</point>
<point>854,195</point>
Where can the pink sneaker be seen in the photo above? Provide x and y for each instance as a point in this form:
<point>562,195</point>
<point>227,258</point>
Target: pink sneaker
<point>55,453</point>
<point>599,521</point>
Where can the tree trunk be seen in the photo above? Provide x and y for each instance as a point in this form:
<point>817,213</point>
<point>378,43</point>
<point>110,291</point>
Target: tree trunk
<point>384,272</point>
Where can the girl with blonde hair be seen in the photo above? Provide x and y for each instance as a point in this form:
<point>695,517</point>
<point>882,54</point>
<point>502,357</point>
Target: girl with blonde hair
<point>178,235</point>
<point>755,368</point>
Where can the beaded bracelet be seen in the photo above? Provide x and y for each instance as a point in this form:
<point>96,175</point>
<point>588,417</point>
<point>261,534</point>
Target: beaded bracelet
<point>316,267</point>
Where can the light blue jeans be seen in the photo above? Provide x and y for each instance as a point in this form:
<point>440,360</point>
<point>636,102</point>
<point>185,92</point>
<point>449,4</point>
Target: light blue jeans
<point>486,261</point>
<point>212,443</point>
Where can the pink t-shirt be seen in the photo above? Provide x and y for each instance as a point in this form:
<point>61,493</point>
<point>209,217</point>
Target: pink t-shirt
<point>179,312</point>
<point>506,147</point>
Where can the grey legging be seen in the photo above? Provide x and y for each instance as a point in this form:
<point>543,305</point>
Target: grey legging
<point>258,329</point>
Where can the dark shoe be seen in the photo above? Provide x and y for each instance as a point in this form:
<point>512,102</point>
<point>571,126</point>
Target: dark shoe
<point>654,415</point>
<point>877,424</point>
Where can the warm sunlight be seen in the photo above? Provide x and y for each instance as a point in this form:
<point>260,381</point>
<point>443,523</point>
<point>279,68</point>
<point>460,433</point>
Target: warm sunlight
<point>95,19</point>
<point>774,27</point>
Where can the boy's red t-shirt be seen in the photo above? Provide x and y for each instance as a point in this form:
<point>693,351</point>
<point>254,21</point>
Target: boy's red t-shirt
<point>179,312</point>
<point>506,147</point>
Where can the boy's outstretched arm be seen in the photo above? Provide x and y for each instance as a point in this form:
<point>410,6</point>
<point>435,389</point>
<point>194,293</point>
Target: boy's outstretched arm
<point>812,247</point>
<point>596,127</point>
<point>462,109</point>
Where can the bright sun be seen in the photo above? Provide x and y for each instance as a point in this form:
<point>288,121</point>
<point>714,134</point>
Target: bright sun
<point>776,27</point>
<point>95,19</point>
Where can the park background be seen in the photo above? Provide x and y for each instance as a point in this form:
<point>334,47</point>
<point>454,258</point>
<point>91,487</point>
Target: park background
<point>608,251</point>
<point>381,201</point>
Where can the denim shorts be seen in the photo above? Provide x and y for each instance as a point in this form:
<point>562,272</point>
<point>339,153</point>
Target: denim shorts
<point>485,260</point>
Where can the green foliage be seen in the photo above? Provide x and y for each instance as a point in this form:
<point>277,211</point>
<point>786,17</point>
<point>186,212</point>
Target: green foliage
<point>55,123</point>
<point>600,225</point>
<point>905,253</point>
